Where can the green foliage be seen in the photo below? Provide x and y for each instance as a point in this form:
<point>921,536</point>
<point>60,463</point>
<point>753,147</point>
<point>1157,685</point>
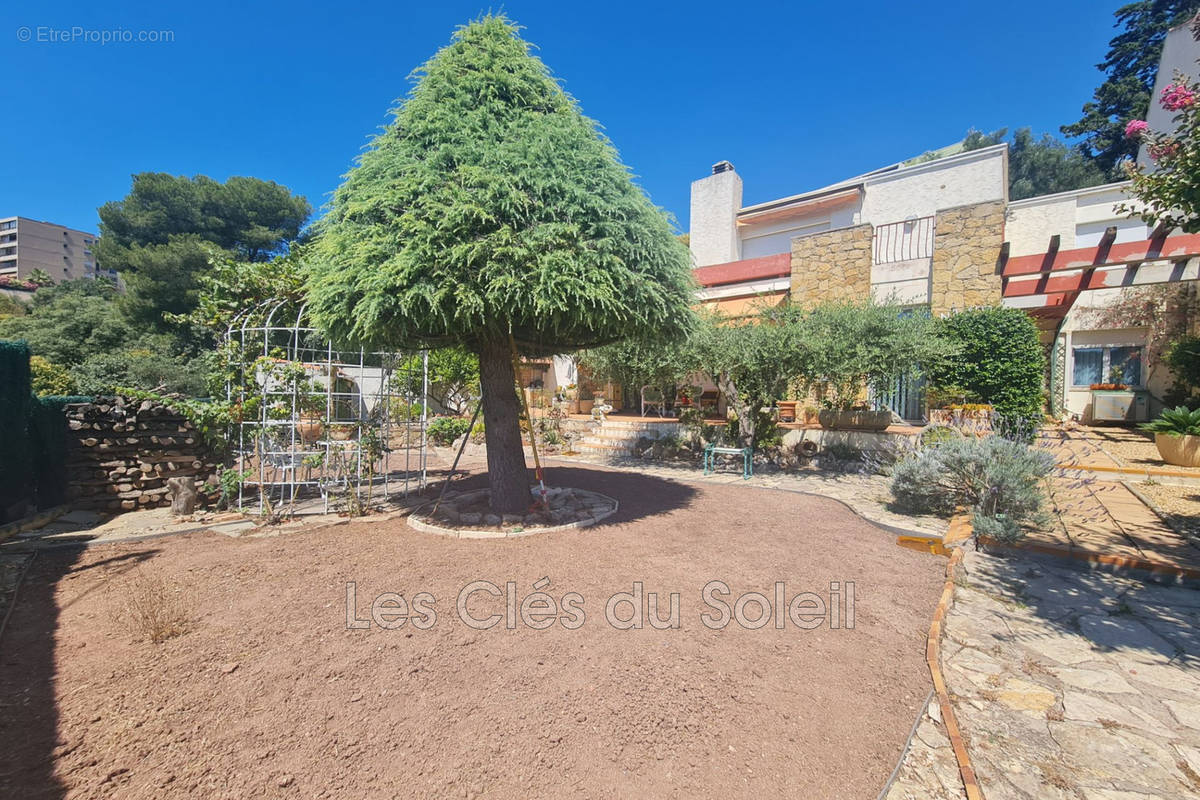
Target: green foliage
<point>752,361</point>
<point>999,359</point>
<point>1131,66</point>
<point>1169,192</point>
<point>445,430</point>
<point>491,205</point>
<point>48,446</point>
<point>661,362</point>
<point>1176,421</point>
<point>141,368</point>
<point>998,479</point>
<point>49,379</point>
<point>1183,357</point>
<point>10,307</point>
<point>211,418</point>
<point>71,321</point>
<point>41,278</point>
<point>853,346</point>
<point>453,378</point>
<point>1039,166</point>
<point>15,399</point>
<point>162,236</point>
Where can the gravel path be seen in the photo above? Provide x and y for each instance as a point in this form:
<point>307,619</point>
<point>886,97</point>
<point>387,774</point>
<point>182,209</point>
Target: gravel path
<point>269,694</point>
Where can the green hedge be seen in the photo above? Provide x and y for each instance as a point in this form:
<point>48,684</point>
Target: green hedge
<point>15,474</point>
<point>1000,359</point>
<point>48,446</point>
<point>33,438</point>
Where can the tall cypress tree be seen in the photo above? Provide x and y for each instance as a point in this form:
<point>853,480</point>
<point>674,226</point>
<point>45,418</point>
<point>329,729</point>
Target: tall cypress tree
<point>491,208</point>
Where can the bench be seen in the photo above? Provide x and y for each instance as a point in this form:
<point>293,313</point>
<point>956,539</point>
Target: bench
<point>712,451</point>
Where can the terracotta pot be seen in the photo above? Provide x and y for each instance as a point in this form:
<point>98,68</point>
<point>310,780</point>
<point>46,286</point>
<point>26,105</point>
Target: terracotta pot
<point>341,434</point>
<point>855,420</point>
<point>1182,451</point>
<point>309,429</point>
<point>585,406</point>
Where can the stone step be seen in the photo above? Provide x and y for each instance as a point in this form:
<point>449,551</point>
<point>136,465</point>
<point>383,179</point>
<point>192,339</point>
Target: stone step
<point>602,449</point>
<point>629,437</point>
<point>635,424</point>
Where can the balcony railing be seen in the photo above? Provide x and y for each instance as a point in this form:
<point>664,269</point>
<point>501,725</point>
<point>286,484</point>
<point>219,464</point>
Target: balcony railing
<point>903,241</point>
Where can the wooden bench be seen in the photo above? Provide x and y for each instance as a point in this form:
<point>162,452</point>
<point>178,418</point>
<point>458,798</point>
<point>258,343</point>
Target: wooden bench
<point>712,451</point>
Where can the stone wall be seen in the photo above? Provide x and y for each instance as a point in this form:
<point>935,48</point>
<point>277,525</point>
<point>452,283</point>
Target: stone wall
<point>120,453</point>
<point>834,265</point>
<point>966,253</point>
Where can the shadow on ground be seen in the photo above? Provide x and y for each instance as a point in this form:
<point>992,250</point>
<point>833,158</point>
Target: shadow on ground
<point>640,496</point>
<point>1123,616</point>
<point>28,710</point>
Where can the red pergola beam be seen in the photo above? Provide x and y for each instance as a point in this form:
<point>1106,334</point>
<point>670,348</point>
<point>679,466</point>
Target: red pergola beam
<point>1173,247</point>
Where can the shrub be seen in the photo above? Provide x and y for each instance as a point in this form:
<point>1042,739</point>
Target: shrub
<point>48,378</point>
<point>444,430</point>
<point>999,479</point>
<point>1176,422</point>
<point>150,610</point>
<point>999,360</point>
<point>1183,357</point>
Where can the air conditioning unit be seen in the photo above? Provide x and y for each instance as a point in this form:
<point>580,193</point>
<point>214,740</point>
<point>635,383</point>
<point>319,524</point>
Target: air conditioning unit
<point>1120,406</point>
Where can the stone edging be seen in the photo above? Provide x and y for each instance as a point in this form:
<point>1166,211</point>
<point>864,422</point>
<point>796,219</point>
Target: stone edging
<point>455,533</point>
<point>32,522</point>
<point>933,656</point>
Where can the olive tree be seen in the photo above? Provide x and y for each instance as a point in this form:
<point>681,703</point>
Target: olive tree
<point>491,214</point>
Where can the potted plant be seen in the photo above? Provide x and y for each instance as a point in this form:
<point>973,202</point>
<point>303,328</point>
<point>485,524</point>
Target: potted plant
<point>1177,436</point>
<point>812,415</point>
<point>857,417</point>
<point>341,433</point>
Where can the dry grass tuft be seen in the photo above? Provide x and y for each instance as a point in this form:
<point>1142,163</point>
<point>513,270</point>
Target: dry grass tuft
<point>150,609</point>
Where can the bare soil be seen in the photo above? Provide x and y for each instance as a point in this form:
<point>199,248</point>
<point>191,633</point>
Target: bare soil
<point>267,693</point>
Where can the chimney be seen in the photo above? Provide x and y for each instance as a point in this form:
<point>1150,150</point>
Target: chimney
<point>716,199</point>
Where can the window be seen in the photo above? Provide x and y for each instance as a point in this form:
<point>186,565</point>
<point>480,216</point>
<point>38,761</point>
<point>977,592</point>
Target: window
<point>8,226</point>
<point>1096,365</point>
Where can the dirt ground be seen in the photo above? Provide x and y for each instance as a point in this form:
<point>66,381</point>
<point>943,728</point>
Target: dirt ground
<point>268,693</point>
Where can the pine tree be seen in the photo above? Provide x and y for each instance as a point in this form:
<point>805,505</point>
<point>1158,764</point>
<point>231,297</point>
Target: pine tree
<point>490,211</point>
<point>1131,65</point>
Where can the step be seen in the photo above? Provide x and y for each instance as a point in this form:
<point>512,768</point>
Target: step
<point>601,449</point>
<point>639,424</point>
<point>630,437</point>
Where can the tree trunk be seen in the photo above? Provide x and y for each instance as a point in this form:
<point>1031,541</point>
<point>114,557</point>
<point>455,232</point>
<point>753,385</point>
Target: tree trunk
<point>745,413</point>
<point>508,478</point>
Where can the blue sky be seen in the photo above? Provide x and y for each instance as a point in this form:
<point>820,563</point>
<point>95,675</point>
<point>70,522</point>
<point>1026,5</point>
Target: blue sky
<point>796,95</point>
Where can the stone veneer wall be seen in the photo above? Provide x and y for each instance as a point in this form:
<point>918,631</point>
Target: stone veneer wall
<point>966,252</point>
<point>834,265</point>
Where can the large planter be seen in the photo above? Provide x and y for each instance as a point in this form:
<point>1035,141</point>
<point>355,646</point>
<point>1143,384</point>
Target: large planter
<point>309,429</point>
<point>1182,451</point>
<point>855,420</point>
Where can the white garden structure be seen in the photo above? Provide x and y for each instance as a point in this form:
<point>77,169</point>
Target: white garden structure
<point>311,421</point>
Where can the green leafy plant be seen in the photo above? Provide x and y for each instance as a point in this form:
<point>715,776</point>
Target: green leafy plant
<point>998,479</point>
<point>445,430</point>
<point>998,360</point>
<point>1180,421</point>
<point>491,213</point>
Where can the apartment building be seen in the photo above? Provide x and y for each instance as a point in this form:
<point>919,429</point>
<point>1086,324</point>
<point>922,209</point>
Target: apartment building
<point>62,253</point>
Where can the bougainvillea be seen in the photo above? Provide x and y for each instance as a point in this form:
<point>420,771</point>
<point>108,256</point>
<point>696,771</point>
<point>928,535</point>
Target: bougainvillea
<point>1168,189</point>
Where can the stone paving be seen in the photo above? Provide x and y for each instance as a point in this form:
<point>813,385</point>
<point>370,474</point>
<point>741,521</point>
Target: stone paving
<point>1071,684</point>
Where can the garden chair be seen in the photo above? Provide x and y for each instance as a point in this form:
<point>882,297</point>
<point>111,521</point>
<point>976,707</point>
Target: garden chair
<point>653,400</point>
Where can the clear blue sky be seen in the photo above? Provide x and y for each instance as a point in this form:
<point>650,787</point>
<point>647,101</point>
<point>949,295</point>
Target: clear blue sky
<point>795,94</point>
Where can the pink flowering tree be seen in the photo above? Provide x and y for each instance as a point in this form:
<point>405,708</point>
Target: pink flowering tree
<point>1169,191</point>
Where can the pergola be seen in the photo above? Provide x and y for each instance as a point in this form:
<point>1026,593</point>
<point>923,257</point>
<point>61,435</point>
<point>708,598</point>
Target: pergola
<point>1047,284</point>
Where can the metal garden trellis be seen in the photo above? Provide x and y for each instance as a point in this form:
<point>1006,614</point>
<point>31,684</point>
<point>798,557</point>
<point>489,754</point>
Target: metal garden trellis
<point>311,419</point>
